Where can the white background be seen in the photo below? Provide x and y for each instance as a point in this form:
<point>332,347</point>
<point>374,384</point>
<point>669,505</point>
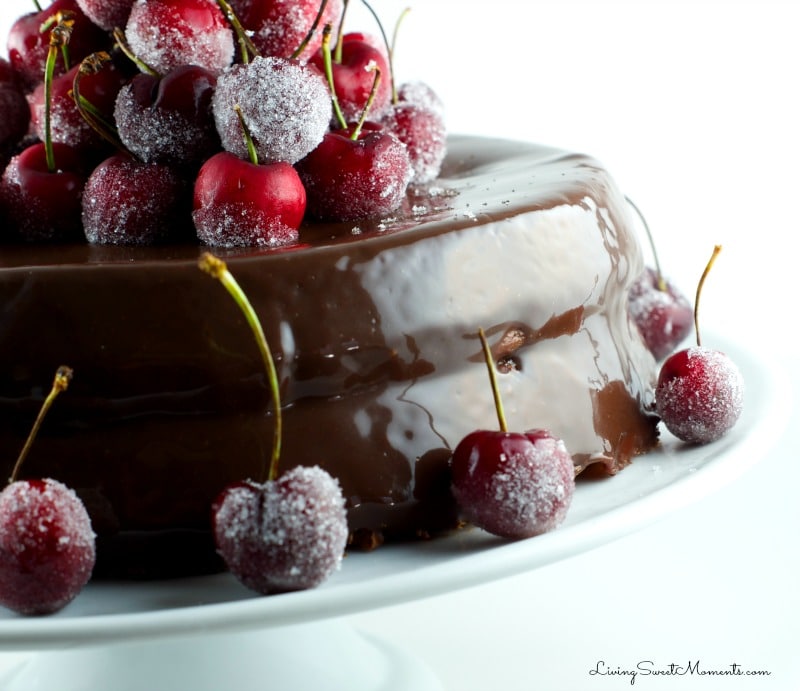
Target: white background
<point>693,107</point>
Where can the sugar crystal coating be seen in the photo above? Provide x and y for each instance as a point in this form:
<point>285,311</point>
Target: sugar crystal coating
<point>524,490</point>
<point>699,394</point>
<point>286,108</point>
<point>47,548</point>
<point>285,535</point>
<point>168,33</point>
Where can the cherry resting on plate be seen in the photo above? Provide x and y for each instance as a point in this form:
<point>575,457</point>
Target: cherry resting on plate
<point>514,485</point>
<point>700,392</point>
<point>289,532</point>
<point>282,535</point>
<point>239,204</point>
<point>47,548</point>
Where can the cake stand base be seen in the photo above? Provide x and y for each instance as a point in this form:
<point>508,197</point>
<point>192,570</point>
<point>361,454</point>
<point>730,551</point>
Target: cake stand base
<point>327,655</point>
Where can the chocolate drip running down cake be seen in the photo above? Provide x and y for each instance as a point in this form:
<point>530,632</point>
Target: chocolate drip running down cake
<point>375,332</point>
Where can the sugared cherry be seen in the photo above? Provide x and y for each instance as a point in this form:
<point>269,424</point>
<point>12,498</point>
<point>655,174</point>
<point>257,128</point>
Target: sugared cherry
<point>282,535</point>
<point>129,202</point>
<point>288,532</point>
<point>659,309</point>
<point>47,548</point>
<point>286,105</point>
<point>700,392</point>
<point>514,485</point>
<point>166,34</point>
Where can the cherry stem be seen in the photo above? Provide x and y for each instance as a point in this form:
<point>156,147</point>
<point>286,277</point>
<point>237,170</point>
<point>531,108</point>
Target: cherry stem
<point>307,39</point>
<point>60,383</point>
<point>714,254</point>
<point>385,42</point>
<point>661,284</point>
<point>216,268</point>
<point>368,104</point>
<point>498,403</point>
<point>37,5</point>
<point>392,48</point>
<point>59,37</point>
<point>124,46</point>
<point>328,64</point>
<point>246,46</point>
<point>105,129</point>
<point>252,152</point>
<point>66,18</point>
<point>337,58</point>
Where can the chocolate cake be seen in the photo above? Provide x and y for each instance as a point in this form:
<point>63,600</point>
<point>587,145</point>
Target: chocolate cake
<point>374,327</point>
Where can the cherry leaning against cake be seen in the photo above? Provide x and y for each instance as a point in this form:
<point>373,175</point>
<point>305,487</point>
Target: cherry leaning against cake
<point>383,258</point>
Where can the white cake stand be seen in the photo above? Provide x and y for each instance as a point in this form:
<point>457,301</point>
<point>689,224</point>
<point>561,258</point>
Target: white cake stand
<point>210,633</point>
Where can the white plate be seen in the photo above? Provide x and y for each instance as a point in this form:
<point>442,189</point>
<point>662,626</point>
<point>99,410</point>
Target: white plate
<point>655,484</point>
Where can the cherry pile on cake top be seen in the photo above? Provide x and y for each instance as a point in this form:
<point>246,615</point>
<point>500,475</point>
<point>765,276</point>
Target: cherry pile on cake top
<point>223,123</point>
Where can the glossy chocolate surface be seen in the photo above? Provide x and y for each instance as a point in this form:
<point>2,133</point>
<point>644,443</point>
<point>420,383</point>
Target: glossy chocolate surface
<point>374,329</point>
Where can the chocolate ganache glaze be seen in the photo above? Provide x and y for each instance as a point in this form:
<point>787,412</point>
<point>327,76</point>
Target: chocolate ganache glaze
<point>374,332</point>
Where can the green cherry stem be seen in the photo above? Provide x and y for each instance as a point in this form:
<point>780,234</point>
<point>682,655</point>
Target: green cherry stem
<point>122,44</point>
<point>66,19</point>
<point>714,254</point>
<point>385,43</point>
<point>361,120</point>
<point>252,152</point>
<point>307,39</point>
<point>337,58</point>
<point>60,383</point>
<point>92,64</point>
<point>327,62</point>
<point>216,268</point>
<point>59,37</point>
<point>37,5</point>
<point>247,48</point>
<point>498,402</point>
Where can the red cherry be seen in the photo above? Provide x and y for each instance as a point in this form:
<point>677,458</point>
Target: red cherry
<point>513,485</point>
<point>166,34</point>
<point>699,394</point>
<point>68,125</point>
<point>168,119</point>
<point>283,535</point>
<point>107,14</point>
<point>130,202</point>
<point>424,134</point>
<point>47,548</point>
<point>43,205</point>
<point>354,76</point>
<point>238,203</point>
<point>662,313</point>
<point>278,27</point>
<point>348,179</point>
<point>28,45</point>
<point>15,116</point>
<point>285,104</point>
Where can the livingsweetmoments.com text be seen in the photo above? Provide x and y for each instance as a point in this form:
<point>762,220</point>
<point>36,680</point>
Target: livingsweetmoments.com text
<point>649,668</point>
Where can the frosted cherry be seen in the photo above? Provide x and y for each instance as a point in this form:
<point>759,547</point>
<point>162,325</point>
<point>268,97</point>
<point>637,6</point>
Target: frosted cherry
<point>129,202</point>
<point>165,34</point>
<point>286,105</point>
<point>107,14</point>
<point>286,534</point>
